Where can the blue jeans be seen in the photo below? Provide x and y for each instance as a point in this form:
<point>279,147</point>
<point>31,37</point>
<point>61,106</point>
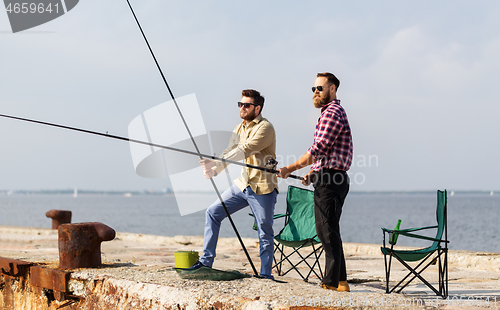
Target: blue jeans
<point>263,210</point>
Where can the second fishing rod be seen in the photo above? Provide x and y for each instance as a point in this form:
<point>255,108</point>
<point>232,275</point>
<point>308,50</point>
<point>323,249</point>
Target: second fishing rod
<point>270,163</point>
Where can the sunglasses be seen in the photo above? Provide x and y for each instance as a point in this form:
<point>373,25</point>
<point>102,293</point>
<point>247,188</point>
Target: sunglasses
<point>246,105</point>
<point>319,88</point>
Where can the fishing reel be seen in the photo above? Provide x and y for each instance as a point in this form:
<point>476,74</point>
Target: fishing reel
<point>271,164</point>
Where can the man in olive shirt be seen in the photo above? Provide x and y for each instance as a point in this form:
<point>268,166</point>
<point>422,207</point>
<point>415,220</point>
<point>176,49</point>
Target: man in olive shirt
<point>253,141</point>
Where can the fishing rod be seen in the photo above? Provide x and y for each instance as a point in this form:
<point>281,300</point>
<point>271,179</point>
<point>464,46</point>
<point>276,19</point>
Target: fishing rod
<point>194,143</point>
<point>271,161</point>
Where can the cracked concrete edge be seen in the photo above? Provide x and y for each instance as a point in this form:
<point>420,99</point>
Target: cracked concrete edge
<point>110,293</point>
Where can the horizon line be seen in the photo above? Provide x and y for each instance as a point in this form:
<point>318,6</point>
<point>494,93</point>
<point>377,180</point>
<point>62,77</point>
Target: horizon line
<point>170,191</point>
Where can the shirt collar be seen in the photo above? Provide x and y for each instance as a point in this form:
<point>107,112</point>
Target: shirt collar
<point>256,120</point>
<point>334,101</point>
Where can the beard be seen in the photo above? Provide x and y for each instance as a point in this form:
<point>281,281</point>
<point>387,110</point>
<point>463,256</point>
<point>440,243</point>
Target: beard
<point>249,116</point>
<point>320,100</point>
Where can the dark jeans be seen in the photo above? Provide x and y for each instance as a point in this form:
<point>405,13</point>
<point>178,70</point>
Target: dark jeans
<point>330,189</point>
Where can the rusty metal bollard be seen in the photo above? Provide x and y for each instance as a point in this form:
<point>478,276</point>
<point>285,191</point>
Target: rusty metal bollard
<point>59,217</point>
<point>80,244</point>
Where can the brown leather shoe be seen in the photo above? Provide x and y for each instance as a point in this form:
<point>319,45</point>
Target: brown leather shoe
<point>327,287</point>
<point>343,287</point>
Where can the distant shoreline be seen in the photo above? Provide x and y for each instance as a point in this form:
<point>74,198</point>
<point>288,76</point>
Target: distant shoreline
<point>169,192</point>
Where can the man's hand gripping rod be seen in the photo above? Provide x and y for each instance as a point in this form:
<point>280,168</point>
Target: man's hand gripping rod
<point>272,163</point>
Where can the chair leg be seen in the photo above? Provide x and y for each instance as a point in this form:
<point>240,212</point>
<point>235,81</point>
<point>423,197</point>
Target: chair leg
<point>304,260</point>
<point>293,266</point>
<point>409,274</point>
<point>440,278</point>
<point>446,266</point>
<point>278,265</point>
<point>286,257</point>
<point>416,274</point>
<point>387,268</point>
<point>316,262</point>
<point>443,273</point>
<point>386,277</point>
<point>388,273</point>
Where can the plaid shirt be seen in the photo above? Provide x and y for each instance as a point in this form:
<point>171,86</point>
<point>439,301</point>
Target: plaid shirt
<point>332,146</point>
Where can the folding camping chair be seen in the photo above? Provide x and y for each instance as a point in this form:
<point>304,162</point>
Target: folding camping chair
<point>425,255</point>
<point>299,234</point>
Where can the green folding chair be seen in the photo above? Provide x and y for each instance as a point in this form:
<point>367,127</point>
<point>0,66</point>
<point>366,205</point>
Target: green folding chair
<point>437,251</point>
<point>298,234</point>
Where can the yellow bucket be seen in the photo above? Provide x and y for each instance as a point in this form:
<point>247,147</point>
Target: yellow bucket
<point>185,259</point>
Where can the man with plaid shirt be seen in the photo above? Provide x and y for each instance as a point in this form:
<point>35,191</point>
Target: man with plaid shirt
<point>331,157</point>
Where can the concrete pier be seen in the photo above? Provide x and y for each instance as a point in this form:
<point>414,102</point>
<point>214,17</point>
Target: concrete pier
<point>137,274</point>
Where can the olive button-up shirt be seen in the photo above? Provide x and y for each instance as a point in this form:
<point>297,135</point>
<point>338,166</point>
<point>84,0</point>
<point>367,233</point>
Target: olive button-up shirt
<point>256,143</point>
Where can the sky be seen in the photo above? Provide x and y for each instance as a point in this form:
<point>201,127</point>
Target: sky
<point>418,83</point>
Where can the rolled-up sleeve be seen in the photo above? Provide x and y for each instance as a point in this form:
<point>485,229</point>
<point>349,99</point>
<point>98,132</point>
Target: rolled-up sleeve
<point>232,147</point>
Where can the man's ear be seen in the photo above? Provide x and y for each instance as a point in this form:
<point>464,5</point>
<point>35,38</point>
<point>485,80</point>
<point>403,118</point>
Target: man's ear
<point>260,109</point>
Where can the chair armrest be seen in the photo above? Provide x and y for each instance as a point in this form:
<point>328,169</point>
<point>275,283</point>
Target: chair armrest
<point>276,216</point>
<point>400,231</point>
<point>421,237</point>
<point>416,229</point>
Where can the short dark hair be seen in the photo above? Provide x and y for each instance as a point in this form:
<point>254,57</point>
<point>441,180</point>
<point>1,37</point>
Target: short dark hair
<point>332,79</point>
<point>257,97</point>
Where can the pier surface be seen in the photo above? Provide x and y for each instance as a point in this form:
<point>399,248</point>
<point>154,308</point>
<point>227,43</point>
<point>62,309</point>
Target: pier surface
<point>137,274</point>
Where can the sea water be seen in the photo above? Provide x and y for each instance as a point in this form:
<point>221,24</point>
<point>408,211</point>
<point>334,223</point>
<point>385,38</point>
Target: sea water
<point>473,218</point>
